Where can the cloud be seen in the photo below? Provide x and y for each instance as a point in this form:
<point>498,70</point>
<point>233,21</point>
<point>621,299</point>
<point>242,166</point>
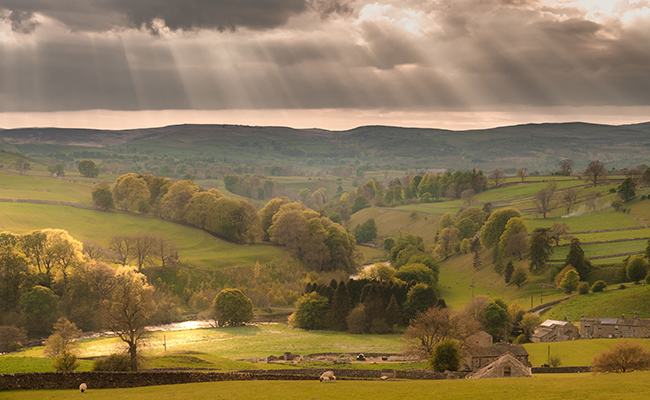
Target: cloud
<point>183,15</point>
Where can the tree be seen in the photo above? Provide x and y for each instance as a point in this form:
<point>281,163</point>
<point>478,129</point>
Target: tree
<point>507,273</point>
<point>446,221</point>
<point>11,338</point>
<point>232,308</point>
<point>447,241</point>
<point>522,173</point>
<point>447,356</point>
<point>428,329</point>
<point>340,309</point>
<point>517,245</point>
<point>544,201</point>
<point>129,190</point>
<point>393,313</point>
<point>566,166</point>
<point>468,197</point>
<point>637,269</point>
<point>103,196</point>
<point>56,169</point>
<point>570,282</point>
<point>559,231</point>
<point>66,362</point>
<point>599,286</point>
<point>583,288</point>
<point>496,225</point>
<point>529,323</point>
<point>128,310</point>
<point>626,189</point>
<point>143,249</point>
<point>174,204</point>
<point>22,165</point>
<point>467,228</point>
<point>569,198</point>
<point>420,298</point>
<point>268,212</point>
<point>360,202</point>
<point>622,357</point>
<point>595,171</point>
<point>497,177</point>
<point>417,272</point>
<point>165,252</point>
<point>88,169</point>
<point>39,307</point>
<point>497,318</point>
<point>62,338</point>
<point>311,311</point>
<point>519,276</point>
<point>514,226</point>
<point>577,259</point>
<point>366,231</point>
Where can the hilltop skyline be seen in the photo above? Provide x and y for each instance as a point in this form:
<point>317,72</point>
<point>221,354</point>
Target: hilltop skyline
<point>333,64</point>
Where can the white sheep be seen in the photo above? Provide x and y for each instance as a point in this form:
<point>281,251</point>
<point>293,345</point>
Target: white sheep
<point>83,387</point>
<point>327,376</point>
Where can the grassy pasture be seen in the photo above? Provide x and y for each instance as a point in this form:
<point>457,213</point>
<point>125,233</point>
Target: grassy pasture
<point>391,222</point>
<point>194,245</point>
<point>36,188</point>
<point>608,304</point>
<point>629,386</point>
<point>602,249</point>
<point>603,219</point>
<point>572,353</point>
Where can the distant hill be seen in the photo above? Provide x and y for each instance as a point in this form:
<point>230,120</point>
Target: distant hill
<point>535,146</point>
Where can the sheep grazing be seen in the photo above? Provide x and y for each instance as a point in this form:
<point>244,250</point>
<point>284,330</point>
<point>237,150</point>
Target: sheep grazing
<point>327,376</point>
<point>83,387</point>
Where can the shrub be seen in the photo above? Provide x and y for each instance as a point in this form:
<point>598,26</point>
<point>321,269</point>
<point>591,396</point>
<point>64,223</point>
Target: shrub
<point>446,356</point>
<point>114,362</point>
<point>583,288</point>
<point>637,269</point>
<point>599,286</point>
<point>623,357</point>
<point>66,361</point>
<point>311,312</point>
<point>357,320</point>
<point>554,361</point>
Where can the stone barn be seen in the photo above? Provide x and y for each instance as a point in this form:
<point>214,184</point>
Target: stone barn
<point>506,366</point>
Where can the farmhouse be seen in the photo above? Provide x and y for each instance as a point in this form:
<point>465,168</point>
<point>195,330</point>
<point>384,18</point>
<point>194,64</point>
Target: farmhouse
<point>480,352</point>
<point>555,331</point>
<point>614,327</point>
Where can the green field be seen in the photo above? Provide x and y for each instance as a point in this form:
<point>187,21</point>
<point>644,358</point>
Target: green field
<point>35,188</point>
<point>549,386</point>
<point>608,304</point>
<point>245,342</point>
<point>194,245</point>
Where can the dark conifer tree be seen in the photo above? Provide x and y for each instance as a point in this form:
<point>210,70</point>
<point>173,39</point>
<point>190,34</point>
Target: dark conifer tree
<point>341,307</point>
<point>507,274</point>
<point>393,313</point>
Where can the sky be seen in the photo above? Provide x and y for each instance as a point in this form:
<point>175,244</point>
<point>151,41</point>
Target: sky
<point>333,64</point>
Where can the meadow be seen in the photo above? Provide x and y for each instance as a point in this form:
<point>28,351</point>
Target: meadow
<point>629,386</point>
<point>194,245</point>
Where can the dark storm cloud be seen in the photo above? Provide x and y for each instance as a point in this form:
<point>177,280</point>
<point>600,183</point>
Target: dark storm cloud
<point>187,15</point>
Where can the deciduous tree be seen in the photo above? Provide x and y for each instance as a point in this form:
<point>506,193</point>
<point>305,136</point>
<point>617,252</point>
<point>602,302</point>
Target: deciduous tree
<point>622,357</point>
<point>566,166</point>
<point>498,177</point>
<point>637,269</point>
<point>128,310</point>
<point>522,173</point>
<point>232,308</point>
<point>311,312</point>
<point>447,356</point>
<point>595,171</point>
<point>569,198</point>
<point>544,201</point>
<point>88,168</point>
<point>540,248</point>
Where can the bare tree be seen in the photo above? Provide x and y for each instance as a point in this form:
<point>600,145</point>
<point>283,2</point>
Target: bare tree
<point>95,251</point>
<point>522,173</point>
<point>498,177</point>
<point>559,231</point>
<point>566,166</point>
<point>468,197</point>
<point>165,252</point>
<point>142,249</point>
<point>436,324</point>
<point>544,202</point>
<point>594,171</point>
<point>635,174</point>
<point>569,198</point>
<point>120,247</point>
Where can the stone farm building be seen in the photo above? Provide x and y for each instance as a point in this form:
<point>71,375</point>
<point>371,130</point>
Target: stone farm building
<point>480,352</point>
<point>614,327</point>
<point>507,365</point>
<point>555,331</point>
